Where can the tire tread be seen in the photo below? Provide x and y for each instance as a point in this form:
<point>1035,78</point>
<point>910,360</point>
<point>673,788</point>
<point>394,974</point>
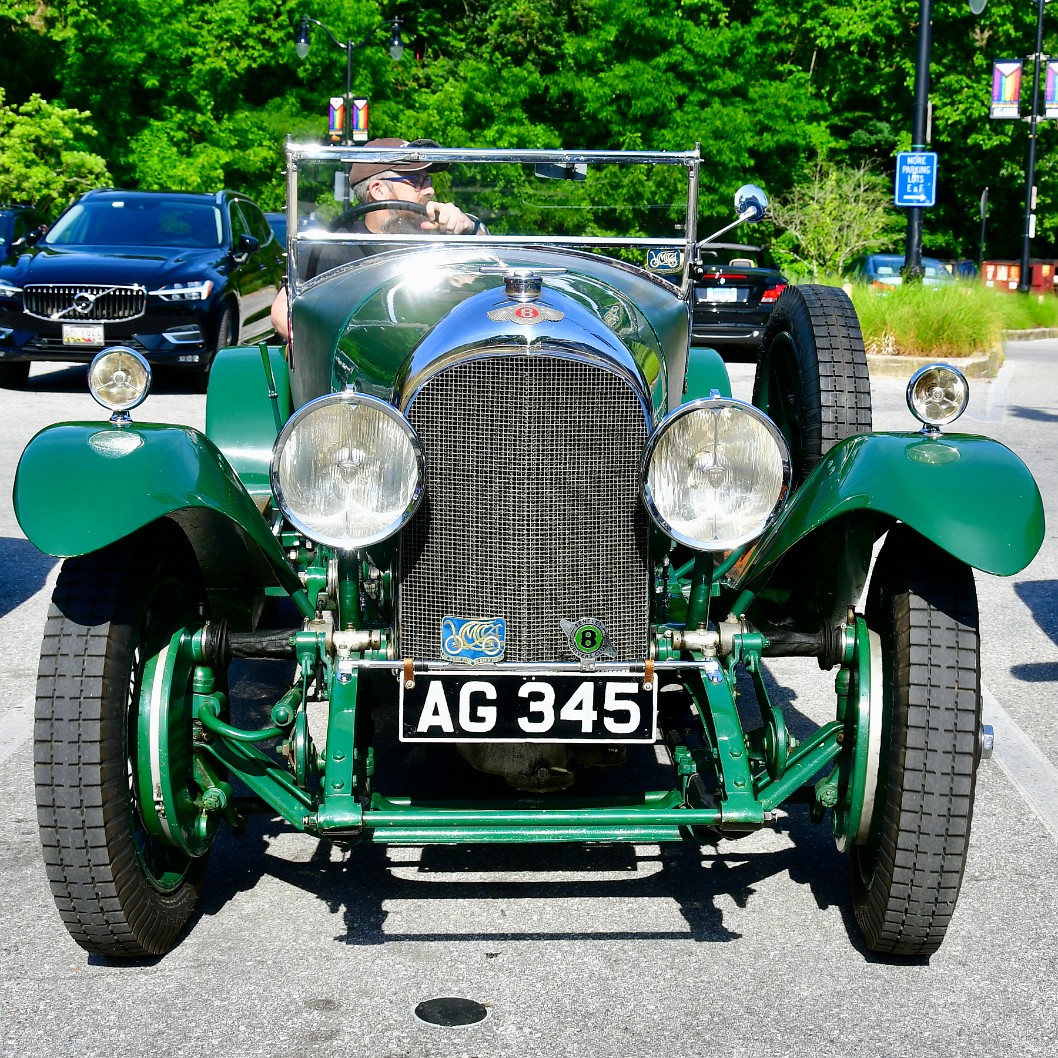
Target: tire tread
<point>905,906</point>
<point>99,887</point>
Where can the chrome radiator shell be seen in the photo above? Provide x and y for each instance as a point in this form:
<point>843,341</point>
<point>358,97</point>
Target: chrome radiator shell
<point>532,508</point>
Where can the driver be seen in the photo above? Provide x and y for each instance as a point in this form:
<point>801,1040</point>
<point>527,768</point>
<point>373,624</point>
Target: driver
<point>372,182</point>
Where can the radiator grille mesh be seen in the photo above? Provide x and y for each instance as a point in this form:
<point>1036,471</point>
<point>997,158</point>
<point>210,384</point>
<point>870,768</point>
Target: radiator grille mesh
<point>532,509</point>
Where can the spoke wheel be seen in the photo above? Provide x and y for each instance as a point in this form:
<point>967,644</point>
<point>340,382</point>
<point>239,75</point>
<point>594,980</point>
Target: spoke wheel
<point>812,376</point>
<point>122,890</point>
<point>907,873</point>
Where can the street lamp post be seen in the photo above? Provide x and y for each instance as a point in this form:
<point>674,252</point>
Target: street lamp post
<point>1025,282</point>
<point>303,40</point>
<point>919,121</point>
<point>913,257</point>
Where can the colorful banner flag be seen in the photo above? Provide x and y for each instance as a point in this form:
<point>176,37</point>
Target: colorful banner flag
<point>1050,91</point>
<point>359,115</point>
<point>336,119</point>
<point>1006,89</point>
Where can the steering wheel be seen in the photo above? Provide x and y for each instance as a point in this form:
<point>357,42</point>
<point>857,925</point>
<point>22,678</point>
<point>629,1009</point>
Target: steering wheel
<point>342,223</point>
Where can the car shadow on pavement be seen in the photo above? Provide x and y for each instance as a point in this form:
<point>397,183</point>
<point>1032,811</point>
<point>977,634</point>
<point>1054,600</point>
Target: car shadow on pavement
<point>1041,597</point>
<point>360,883</point>
<point>25,571</point>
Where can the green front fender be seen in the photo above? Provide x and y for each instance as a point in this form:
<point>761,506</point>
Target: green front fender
<point>970,495</point>
<point>82,486</point>
<point>706,372</point>
<point>247,405</point>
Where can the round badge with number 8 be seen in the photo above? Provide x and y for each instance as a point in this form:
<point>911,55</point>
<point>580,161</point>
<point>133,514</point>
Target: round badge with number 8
<point>588,638</point>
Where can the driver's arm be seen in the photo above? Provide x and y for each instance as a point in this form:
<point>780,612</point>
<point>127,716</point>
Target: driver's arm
<point>279,313</point>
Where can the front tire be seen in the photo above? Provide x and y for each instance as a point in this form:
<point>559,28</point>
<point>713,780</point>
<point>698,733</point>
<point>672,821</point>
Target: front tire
<point>811,377</point>
<point>121,891</point>
<point>906,876</point>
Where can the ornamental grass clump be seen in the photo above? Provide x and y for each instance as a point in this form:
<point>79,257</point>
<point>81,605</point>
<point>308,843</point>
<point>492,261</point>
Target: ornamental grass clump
<point>1026,312</point>
<point>948,322</point>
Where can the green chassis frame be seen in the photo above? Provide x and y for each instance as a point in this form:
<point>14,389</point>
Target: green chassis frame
<point>752,773</point>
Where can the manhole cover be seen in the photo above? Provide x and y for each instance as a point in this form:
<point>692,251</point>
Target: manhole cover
<point>451,1011</point>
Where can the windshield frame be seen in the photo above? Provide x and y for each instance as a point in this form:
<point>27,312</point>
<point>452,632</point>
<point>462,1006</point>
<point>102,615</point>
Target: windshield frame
<point>297,154</point>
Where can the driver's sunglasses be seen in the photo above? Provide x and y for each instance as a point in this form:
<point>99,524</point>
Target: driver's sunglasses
<point>417,180</point>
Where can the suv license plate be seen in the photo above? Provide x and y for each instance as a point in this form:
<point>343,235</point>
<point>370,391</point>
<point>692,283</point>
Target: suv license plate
<point>462,706</point>
<point>82,334</point>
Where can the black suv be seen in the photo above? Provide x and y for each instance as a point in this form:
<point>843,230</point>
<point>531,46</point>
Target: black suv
<point>174,275</point>
<point>17,224</point>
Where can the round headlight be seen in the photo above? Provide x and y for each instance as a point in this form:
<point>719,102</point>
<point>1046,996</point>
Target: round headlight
<point>347,470</point>
<point>716,472</point>
<point>937,394</point>
<point>119,378</point>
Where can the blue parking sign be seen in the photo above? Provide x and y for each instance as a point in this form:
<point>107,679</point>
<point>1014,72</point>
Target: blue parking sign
<point>916,178</point>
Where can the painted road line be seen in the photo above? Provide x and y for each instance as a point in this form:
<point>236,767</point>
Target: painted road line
<point>1032,774</point>
<point>16,728</point>
<point>996,405</point>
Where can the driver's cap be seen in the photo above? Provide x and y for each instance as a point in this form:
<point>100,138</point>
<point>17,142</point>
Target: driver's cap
<point>365,170</point>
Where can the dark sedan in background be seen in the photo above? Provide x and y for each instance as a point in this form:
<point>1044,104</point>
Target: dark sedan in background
<point>173,275</point>
<point>735,291</point>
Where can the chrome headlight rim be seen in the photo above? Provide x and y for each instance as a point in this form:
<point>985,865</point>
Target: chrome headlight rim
<point>959,394</point>
<point>713,404</point>
<point>348,397</point>
<point>142,390</point>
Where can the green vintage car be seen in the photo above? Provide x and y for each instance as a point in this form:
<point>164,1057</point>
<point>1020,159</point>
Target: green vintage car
<point>510,533</point>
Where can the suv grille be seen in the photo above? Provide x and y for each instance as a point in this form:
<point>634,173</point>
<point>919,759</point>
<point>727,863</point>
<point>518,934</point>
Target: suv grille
<point>532,508</point>
<point>86,303</point>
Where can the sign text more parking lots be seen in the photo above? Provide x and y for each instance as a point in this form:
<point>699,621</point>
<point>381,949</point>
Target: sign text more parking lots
<point>916,178</point>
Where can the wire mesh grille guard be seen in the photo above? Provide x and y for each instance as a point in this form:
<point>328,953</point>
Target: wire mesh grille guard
<point>85,303</point>
<point>532,509</point>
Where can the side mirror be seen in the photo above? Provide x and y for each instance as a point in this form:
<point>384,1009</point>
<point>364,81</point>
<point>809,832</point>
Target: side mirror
<point>248,244</point>
<point>562,171</point>
<point>751,203</point>
<point>24,242</point>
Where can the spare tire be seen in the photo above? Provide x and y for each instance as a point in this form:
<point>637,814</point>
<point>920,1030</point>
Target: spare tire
<point>811,377</point>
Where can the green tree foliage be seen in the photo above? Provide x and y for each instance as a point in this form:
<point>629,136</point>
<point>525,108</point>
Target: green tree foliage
<point>828,220</point>
<point>203,93</point>
<point>43,158</point>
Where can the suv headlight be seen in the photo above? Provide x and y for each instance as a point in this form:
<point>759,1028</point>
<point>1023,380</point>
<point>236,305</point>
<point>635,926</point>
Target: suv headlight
<point>199,291</point>
<point>9,291</point>
<point>347,470</point>
<point>715,473</point>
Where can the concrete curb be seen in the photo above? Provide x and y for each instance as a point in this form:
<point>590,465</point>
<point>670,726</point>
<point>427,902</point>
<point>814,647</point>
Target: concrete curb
<point>986,365</point>
<point>1035,335</point>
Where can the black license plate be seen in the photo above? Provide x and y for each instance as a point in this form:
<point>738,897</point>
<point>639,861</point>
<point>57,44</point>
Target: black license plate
<point>462,706</point>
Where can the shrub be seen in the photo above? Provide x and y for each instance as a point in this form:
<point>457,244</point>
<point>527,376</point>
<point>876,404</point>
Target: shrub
<point>955,320</point>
